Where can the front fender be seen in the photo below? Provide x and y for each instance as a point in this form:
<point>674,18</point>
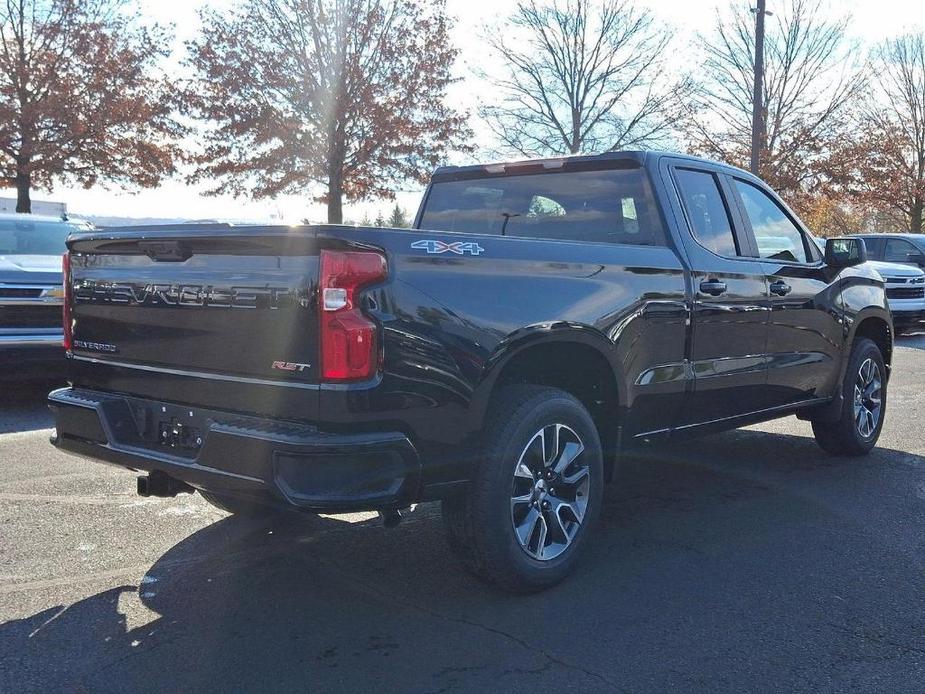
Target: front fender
<point>863,296</point>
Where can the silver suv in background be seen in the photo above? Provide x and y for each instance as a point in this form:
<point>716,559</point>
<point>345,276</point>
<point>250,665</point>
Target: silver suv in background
<point>905,290</point>
<point>31,294</point>
<point>905,287</point>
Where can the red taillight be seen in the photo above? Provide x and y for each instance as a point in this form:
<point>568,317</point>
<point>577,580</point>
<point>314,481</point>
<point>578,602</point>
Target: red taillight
<point>66,311</point>
<point>349,345</point>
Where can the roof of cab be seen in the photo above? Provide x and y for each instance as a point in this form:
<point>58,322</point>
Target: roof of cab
<point>638,157</point>
<point>891,234</point>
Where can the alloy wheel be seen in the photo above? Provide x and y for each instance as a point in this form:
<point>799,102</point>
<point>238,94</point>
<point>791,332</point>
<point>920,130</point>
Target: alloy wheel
<point>867,398</point>
<point>549,494</point>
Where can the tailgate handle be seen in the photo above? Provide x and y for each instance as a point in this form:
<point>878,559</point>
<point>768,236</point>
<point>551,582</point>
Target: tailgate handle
<point>166,251</point>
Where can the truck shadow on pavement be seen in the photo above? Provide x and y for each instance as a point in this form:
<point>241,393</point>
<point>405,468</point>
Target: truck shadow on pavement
<point>741,558</point>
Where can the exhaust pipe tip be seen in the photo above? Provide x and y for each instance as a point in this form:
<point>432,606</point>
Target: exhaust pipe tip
<point>390,518</point>
<point>162,485</point>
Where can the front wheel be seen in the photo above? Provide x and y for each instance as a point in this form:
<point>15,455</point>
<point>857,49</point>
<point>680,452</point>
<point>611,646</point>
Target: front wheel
<point>536,492</point>
<point>857,430</point>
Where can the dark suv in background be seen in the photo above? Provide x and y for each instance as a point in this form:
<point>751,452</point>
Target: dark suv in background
<point>896,248</point>
<point>31,294</point>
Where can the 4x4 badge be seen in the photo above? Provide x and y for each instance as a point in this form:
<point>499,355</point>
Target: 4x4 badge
<point>457,247</point>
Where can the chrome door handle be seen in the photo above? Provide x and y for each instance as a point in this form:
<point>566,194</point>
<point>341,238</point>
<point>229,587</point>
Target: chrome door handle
<point>713,287</point>
<point>780,288</point>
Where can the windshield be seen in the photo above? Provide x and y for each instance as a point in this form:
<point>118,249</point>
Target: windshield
<point>29,237</point>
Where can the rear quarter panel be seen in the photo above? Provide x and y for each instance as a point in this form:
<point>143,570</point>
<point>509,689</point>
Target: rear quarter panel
<point>453,320</point>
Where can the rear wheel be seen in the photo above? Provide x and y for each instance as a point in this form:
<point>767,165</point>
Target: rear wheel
<point>864,388</point>
<point>536,493</point>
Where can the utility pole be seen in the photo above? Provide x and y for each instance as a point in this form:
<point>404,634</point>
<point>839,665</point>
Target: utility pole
<point>758,94</point>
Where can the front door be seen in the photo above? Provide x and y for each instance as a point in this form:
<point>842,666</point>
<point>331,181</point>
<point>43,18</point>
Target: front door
<point>805,329</point>
<point>730,306</point>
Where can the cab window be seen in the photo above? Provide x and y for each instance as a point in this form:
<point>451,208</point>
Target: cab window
<point>776,236</point>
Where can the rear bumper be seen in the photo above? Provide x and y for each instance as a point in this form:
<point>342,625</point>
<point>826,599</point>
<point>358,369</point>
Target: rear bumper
<point>270,461</point>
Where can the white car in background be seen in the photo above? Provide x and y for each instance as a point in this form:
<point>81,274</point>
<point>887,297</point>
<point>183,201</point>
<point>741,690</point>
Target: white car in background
<point>31,294</point>
<point>905,290</point>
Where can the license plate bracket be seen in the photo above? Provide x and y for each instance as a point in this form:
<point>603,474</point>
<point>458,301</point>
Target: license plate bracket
<point>175,427</point>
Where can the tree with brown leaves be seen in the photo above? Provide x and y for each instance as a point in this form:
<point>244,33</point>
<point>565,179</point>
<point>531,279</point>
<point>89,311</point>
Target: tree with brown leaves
<point>347,95</point>
<point>79,99</point>
<point>581,77</point>
<point>810,88</point>
<point>891,163</point>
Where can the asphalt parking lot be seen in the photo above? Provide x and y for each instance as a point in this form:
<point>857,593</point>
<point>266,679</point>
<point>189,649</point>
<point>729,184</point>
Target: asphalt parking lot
<point>746,561</point>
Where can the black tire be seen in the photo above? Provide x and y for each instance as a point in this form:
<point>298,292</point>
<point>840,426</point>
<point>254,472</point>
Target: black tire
<point>845,436</point>
<point>481,523</point>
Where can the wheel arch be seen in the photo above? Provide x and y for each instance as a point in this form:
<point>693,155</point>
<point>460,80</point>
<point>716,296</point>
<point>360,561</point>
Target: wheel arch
<point>878,328</point>
<point>576,359</point>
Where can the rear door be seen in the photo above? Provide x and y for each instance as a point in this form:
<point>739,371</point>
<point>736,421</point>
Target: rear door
<point>805,330</point>
<point>730,308</point>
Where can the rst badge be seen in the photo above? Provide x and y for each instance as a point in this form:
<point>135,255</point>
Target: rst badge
<point>290,366</point>
<point>458,247</point>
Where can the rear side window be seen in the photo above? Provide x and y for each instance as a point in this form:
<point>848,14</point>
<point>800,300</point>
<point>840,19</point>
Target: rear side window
<point>707,211</point>
<point>899,251</point>
<point>610,205</point>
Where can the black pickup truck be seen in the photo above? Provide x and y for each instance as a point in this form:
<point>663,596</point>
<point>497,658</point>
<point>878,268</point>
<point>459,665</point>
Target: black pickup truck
<point>540,318</point>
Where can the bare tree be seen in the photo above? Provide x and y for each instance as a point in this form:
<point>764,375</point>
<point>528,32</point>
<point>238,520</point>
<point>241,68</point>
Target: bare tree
<point>810,85</point>
<point>347,95</point>
<point>80,97</point>
<point>581,77</point>
<point>892,157</point>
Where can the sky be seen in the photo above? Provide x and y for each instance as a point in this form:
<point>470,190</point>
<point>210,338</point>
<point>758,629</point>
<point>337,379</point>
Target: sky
<point>872,21</point>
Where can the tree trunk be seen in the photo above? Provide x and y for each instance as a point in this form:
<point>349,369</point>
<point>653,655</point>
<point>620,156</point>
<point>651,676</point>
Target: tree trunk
<point>915,219</point>
<point>335,199</point>
<point>575,144</point>
<point>23,187</point>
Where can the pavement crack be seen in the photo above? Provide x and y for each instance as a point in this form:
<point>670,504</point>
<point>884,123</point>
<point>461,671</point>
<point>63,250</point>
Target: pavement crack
<point>519,641</point>
<point>880,640</point>
<point>378,593</point>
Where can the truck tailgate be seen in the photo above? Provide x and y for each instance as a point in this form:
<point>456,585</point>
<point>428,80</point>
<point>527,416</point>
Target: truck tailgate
<point>221,301</point>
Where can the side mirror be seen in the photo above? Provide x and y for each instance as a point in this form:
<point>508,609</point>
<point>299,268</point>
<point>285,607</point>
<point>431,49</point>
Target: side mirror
<point>845,251</point>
